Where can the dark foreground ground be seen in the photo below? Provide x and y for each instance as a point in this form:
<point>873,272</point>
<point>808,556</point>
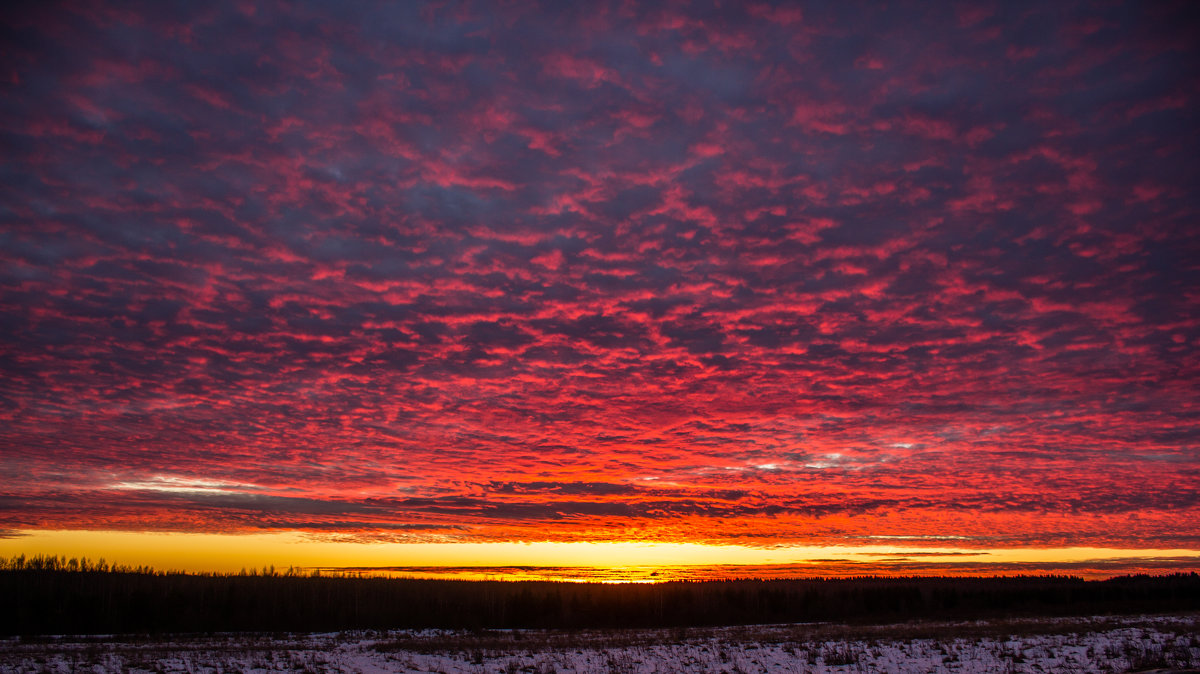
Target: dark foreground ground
<point>91,601</point>
<point>1075,645</point>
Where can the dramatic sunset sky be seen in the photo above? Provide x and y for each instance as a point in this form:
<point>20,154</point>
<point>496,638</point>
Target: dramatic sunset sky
<point>862,286</point>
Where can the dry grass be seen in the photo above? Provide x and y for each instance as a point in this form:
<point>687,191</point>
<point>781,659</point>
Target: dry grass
<point>497,641</point>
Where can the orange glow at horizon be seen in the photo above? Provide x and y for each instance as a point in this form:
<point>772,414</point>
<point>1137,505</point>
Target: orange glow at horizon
<point>623,561</point>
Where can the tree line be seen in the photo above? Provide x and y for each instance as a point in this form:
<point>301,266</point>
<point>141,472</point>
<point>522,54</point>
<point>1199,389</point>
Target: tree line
<point>49,595</point>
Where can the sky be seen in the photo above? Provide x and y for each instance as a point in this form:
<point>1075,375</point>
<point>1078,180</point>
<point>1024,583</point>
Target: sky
<point>742,282</point>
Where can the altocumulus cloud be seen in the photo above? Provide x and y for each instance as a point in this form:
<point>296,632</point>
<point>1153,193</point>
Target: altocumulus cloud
<point>481,272</point>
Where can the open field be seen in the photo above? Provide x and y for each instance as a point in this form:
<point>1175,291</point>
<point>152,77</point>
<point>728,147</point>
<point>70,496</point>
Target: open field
<point>1098,644</point>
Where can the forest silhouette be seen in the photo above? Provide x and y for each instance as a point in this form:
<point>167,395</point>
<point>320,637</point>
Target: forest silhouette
<point>53,595</point>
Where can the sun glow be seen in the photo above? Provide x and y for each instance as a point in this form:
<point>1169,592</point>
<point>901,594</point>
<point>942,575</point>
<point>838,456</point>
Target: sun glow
<point>597,562</point>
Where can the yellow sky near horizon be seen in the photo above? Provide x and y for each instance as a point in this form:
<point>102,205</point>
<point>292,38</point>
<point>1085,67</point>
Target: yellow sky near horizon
<point>231,553</point>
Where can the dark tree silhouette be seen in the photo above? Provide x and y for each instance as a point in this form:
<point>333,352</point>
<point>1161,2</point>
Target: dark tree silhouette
<point>51,595</point>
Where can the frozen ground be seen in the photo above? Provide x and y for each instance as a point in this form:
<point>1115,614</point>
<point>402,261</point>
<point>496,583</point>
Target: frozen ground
<point>1047,645</point>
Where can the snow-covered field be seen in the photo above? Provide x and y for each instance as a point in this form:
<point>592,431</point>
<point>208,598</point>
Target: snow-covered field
<point>1047,645</point>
